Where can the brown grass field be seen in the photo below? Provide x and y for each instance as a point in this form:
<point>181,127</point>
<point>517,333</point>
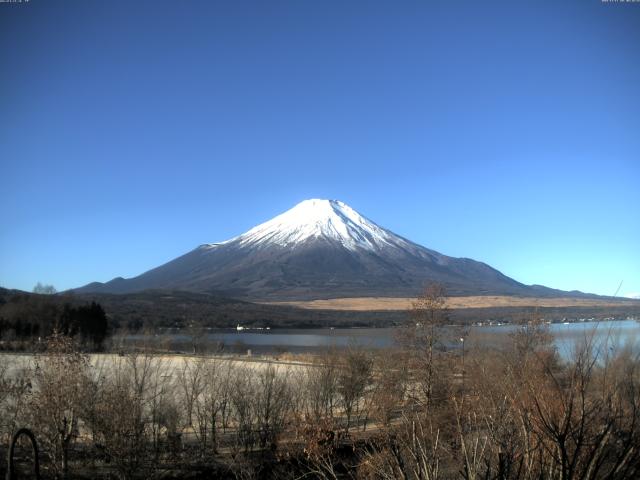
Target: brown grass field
<point>382,303</point>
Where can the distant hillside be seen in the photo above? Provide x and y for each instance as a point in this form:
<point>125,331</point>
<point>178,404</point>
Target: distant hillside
<point>180,309</point>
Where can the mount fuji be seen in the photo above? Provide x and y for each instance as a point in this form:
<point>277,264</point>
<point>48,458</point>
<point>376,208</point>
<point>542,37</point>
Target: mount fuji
<point>319,249</point>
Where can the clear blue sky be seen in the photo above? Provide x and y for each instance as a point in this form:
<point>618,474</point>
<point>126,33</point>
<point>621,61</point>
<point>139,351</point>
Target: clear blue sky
<point>508,132</point>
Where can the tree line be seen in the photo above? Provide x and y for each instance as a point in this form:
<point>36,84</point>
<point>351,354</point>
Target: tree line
<point>26,318</point>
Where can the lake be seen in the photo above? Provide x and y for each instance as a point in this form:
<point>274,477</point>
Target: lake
<point>615,333</point>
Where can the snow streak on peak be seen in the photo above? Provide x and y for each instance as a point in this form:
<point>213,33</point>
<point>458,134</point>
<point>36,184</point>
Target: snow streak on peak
<point>327,219</point>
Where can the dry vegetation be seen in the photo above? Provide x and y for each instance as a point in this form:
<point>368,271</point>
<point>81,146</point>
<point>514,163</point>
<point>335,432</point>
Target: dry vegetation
<point>419,412</point>
<point>392,304</point>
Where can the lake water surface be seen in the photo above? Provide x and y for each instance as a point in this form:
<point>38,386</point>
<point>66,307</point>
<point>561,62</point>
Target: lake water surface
<point>615,333</point>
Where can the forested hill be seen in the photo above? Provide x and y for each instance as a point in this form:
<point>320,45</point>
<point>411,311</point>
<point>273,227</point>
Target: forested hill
<point>30,316</point>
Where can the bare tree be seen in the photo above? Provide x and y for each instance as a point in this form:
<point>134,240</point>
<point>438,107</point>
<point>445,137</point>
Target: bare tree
<point>60,376</point>
<point>44,289</point>
<point>390,388</point>
<point>127,405</point>
<point>316,448</point>
<point>321,387</point>
<point>196,331</point>
<point>531,339</point>
<point>15,389</point>
<point>120,427</point>
<point>213,401</point>
<point>243,393</point>
<point>587,418</point>
<point>411,450</point>
<point>354,378</point>
<point>421,337</point>
<point>273,403</point>
<point>204,384</point>
<point>191,384</point>
<point>161,404</point>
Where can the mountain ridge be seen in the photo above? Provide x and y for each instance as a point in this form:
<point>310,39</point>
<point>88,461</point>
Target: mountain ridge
<point>320,249</point>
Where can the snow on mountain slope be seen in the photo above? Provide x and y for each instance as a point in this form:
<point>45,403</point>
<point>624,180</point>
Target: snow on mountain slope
<point>318,249</point>
<point>316,218</point>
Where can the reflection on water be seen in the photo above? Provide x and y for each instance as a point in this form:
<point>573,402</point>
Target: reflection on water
<point>604,334</point>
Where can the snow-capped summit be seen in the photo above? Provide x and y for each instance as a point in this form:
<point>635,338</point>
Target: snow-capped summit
<point>331,220</point>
